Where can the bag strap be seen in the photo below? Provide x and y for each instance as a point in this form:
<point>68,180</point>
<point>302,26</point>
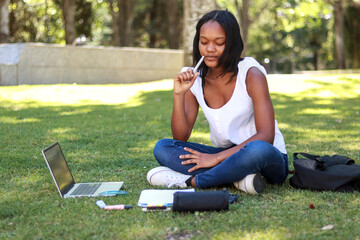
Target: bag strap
<point>307,155</point>
<point>336,159</point>
<point>321,163</point>
<point>326,161</point>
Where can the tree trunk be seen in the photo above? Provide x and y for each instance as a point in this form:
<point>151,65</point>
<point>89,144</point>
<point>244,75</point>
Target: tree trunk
<point>173,25</point>
<point>114,24</point>
<point>122,14</point>
<point>4,21</point>
<point>69,19</point>
<point>316,59</point>
<point>193,11</point>
<point>126,17</point>
<point>339,34</point>
<point>352,32</point>
<point>153,23</point>
<point>356,58</point>
<point>245,22</point>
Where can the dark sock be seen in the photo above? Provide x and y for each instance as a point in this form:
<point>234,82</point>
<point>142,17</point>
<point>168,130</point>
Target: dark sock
<point>188,181</point>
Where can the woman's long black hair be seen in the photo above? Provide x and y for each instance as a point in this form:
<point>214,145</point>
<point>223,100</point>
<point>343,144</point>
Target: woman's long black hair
<point>233,44</point>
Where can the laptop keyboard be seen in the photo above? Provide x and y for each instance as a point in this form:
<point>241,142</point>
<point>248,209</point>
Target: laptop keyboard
<point>86,189</point>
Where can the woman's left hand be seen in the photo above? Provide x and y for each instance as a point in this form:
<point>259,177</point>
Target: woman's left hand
<point>201,160</point>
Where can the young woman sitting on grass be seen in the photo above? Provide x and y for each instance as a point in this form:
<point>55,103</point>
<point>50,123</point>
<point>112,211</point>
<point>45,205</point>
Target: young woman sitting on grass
<point>233,94</point>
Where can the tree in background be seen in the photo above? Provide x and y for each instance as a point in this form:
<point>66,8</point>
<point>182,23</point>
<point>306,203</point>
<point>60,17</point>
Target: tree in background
<point>284,35</point>
<point>156,17</point>
<point>158,23</point>
<point>68,10</point>
<point>352,33</point>
<point>122,12</point>
<point>245,20</point>
<point>292,35</point>
<point>4,21</point>
<point>42,21</point>
<point>174,23</point>
<point>78,18</point>
<point>83,18</point>
<point>338,6</point>
<point>307,29</point>
<point>164,26</point>
<point>23,22</point>
<point>193,11</point>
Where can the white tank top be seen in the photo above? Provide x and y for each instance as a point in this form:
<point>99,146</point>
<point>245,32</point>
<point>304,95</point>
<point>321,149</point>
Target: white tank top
<point>234,122</point>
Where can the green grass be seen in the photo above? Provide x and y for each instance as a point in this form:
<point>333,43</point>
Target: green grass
<point>107,134</point>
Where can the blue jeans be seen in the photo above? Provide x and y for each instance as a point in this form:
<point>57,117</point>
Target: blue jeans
<point>257,156</point>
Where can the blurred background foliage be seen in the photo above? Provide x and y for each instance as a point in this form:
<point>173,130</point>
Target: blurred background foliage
<point>284,35</point>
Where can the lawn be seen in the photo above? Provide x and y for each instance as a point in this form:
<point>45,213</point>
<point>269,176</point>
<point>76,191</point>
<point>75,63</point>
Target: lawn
<point>107,133</point>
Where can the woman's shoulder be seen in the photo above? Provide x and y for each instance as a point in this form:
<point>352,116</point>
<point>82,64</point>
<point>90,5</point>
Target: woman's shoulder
<point>248,62</point>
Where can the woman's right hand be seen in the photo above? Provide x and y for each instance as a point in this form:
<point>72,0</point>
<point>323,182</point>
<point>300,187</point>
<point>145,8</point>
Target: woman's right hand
<point>184,80</point>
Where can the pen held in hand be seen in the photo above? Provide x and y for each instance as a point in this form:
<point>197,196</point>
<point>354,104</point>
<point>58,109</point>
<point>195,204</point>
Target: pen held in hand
<point>198,64</point>
<point>196,67</point>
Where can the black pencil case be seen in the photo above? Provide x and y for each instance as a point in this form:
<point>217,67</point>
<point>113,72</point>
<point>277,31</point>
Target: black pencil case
<point>201,201</point>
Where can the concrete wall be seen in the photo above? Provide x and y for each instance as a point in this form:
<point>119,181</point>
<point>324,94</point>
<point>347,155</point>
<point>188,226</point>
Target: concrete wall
<point>52,64</point>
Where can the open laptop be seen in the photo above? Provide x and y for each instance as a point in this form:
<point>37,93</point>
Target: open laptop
<point>64,180</point>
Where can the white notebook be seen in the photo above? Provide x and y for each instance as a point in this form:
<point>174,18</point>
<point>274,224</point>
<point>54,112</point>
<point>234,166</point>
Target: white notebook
<point>156,197</point>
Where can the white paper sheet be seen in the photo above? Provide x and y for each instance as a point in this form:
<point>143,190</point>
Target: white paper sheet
<point>155,197</point>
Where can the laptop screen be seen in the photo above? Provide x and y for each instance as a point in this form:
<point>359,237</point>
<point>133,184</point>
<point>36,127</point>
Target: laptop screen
<point>58,166</point>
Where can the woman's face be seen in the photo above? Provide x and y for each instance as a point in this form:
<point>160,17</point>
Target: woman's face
<point>212,43</point>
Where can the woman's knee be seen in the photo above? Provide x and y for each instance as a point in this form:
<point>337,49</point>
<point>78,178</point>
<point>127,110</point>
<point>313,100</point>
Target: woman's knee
<point>160,146</point>
<point>163,151</point>
<point>259,148</point>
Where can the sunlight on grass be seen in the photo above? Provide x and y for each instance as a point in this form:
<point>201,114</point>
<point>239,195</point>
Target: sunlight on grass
<point>276,234</point>
<point>326,94</point>
<point>200,135</point>
<point>323,102</point>
<point>128,94</point>
<point>354,146</point>
<point>284,126</point>
<point>318,111</point>
<point>16,120</point>
<point>61,130</point>
<point>74,112</point>
<point>79,94</point>
<point>294,83</point>
<point>64,132</point>
<point>289,83</point>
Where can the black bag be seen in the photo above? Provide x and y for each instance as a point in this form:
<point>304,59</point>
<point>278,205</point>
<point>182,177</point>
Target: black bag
<point>201,201</point>
<point>335,173</point>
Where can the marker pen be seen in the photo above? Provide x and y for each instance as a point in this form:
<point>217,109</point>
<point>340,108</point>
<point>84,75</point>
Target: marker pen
<point>156,207</point>
<point>117,207</point>
<point>198,64</point>
<point>112,193</point>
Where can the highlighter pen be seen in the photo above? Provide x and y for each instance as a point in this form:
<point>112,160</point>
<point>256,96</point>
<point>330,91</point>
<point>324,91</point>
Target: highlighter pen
<point>198,64</point>
<point>117,207</point>
<point>157,207</point>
